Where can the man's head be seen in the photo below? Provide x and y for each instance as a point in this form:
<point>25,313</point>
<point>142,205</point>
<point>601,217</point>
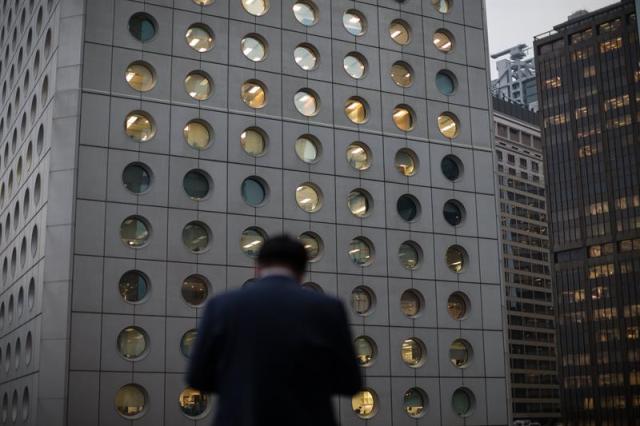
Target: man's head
<point>283,252</point>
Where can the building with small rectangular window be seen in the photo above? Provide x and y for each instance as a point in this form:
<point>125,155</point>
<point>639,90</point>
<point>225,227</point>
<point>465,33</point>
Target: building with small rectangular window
<point>589,81</point>
<point>525,250</point>
<point>147,150</point>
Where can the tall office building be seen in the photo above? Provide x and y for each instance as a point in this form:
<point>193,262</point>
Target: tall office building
<point>589,80</point>
<point>149,148</point>
<point>516,81</point>
<point>525,250</point>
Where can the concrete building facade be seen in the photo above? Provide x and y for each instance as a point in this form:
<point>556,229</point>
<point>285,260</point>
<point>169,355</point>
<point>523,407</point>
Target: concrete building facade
<point>149,147</point>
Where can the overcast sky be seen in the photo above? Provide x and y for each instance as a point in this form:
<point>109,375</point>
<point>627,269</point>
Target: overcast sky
<point>511,22</point>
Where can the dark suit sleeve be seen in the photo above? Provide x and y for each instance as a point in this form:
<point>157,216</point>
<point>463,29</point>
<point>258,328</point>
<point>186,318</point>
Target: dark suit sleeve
<point>204,356</point>
<point>347,373</point>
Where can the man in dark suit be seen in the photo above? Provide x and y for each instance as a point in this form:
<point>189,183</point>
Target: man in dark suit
<point>273,352</point>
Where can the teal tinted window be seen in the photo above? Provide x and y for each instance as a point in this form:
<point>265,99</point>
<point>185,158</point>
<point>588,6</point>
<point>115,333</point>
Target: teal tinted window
<point>142,27</point>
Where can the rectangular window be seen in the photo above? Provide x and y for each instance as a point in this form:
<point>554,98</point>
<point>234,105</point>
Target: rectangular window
<point>610,26</point>
<point>611,45</point>
<point>617,102</point>
<point>502,130</point>
<point>589,71</point>
<point>581,36</point>
<point>523,163</point>
<point>552,82</point>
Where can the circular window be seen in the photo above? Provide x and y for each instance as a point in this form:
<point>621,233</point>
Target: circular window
<point>253,94</point>
<point>414,402</point>
<point>256,7</point>
<point>355,65</point>
<point>203,2</point>
<point>411,303</point>
<point>356,110</point>
<point>413,352</point>
<point>307,149</point>
<point>410,255</point>
<point>306,102</point>
<point>463,402</point>
<point>312,287</point>
<point>359,203</point>
<point>456,256</point>
<point>254,191</point>
<point>460,353</point>
<point>400,32</point>
<point>354,22</point>
<point>131,401</point>
<point>198,85</point>
<point>187,341</point>
<point>443,40</point>
<point>136,178</point>
<point>195,290</point>
<point>458,306</point>
<point>453,212</point>
<point>200,38</point>
<point>361,251</point>
<point>362,300</point>
<point>451,167</point>
<point>197,134</point>
<point>309,197</point>
<point>193,403</point>
<point>406,162</point>
<point>196,236</point>
<point>446,82</point>
<point>312,244</point>
<point>442,6</point>
<point>359,156</point>
<point>196,184</point>
<point>401,74</point>
<point>252,240</point>
<point>306,56</point>
<point>366,351</point>
<point>140,76</point>
<point>253,141</point>
<point>408,207</point>
<point>139,126</point>
<point>305,13</point>
<point>142,27</point>
<point>403,117</point>
<point>365,403</point>
<point>254,47</point>
<point>133,287</point>
<point>449,125</point>
<point>134,232</point>
<point>132,343</point>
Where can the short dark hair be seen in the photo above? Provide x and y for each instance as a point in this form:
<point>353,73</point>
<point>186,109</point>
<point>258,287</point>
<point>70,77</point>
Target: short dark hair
<point>285,251</point>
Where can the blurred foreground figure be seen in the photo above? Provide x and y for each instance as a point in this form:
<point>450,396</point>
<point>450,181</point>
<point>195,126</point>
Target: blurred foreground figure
<point>273,352</point>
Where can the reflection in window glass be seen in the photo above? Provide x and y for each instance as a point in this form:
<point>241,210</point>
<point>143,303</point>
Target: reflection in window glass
<point>399,32</point>
<point>142,26</point>
<point>305,13</point>
<point>203,2</point>
<point>414,403</point>
<point>312,244</point>
<point>133,287</point>
<point>196,184</point>
<point>359,156</point>
<point>252,240</point>
<point>455,257</point>
<point>199,38</point>
<point>140,76</point>
<point>359,203</point>
<point>354,22</point>
<point>306,102</point>
<point>449,125</point>
<point>308,198</point>
<point>411,303</point>
<point>254,47</point>
<point>187,341</point>
<point>254,191</point>
<point>460,353</point>
<point>365,350</point>
<point>253,141</point>
<point>311,286</point>
<point>356,110</point>
<point>256,7</point>
<point>139,127</point>
<point>409,255</point>
<point>136,178</point>
<point>195,290</point>
<point>443,41</point>
<point>413,352</point>
<point>457,306</point>
<point>442,6</point>
<point>307,148</point>
<point>193,403</point>
<point>451,167</point>
<point>197,134</point>
<point>253,94</point>
<point>406,162</point>
<point>131,401</point>
<point>401,74</point>
<point>132,343</point>
<point>198,86</point>
<point>403,117</point>
<point>134,231</point>
<point>361,251</point>
<point>195,235</point>
<point>364,404</point>
<point>462,402</point>
<point>306,56</point>
<point>453,212</point>
<point>362,300</point>
<point>355,65</point>
<point>446,82</point>
<point>408,207</point>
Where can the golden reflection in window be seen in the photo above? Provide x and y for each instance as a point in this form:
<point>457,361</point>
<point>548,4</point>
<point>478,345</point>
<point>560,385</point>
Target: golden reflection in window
<point>631,311</point>
<point>140,76</point>
<point>253,94</point>
<point>610,26</point>
<point>139,126</point>
<point>193,402</point>
<point>412,352</point>
<point>588,404</point>
<point>308,198</point>
<point>552,82</point>
<point>636,76</point>
<point>364,404</point>
<point>617,122</point>
<point>581,36</point>
<point>588,150</point>
<point>634,378</point>
<point>605,313</point>
<point>597,208</point>
<point>198,85</point>
<point>582,112</point>
<point>616,102</point>
<point>611,45</point>
<point>356,110</point>
<point>582,54</point>
<point>601,271</point>
<point>607,335</point>
<point>555,120</point>
<point>610,379</point>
